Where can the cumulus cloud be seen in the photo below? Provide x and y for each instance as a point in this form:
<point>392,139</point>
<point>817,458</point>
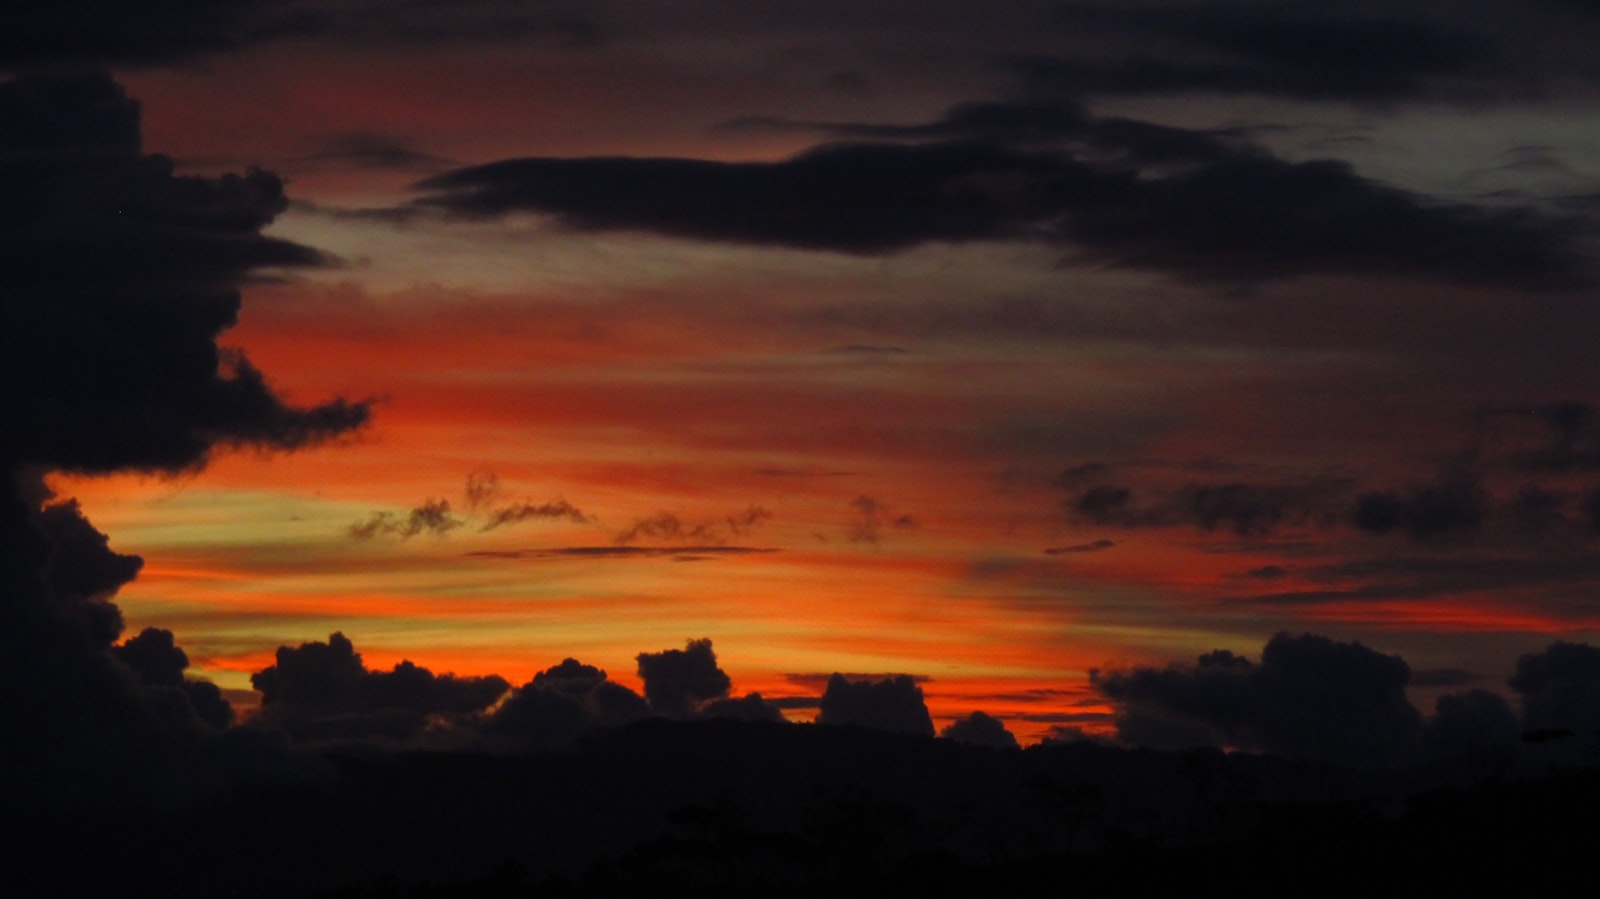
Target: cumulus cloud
<point>893,704</point>
<point>1309,697</point>
<point>565,702</point>
<point>324,691</point>
<point>678,681</point>
<point>980,729</point>
<point>158,662</point>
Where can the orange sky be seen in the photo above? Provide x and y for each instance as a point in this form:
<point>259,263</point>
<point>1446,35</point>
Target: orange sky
<point>910,437</point>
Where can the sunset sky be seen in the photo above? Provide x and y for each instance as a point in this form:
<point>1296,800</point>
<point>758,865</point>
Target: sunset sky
<point>992,344</point>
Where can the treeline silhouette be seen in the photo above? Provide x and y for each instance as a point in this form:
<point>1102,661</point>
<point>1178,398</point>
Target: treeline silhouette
<point>736,807</point>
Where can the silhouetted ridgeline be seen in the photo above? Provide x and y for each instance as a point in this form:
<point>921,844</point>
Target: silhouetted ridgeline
<point>737,806</point>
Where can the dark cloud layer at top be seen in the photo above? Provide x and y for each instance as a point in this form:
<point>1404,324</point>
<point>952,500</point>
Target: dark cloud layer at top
<point>1227,211</point>
<point>108,32</point>
<point>1235,48</point>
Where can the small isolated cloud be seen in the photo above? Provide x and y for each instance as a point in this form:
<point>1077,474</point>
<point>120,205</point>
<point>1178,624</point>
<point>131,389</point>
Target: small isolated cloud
<point>669,527</point>
<point>556,510</point>
<point>483,489</point>
<point>893,704</point>
<point>869,518</point>
<point>432,517</point>
<point>1076,548</point>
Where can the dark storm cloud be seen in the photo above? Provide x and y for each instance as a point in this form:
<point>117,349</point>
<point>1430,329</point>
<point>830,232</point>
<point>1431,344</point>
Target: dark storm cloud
<point>678,681</point>
<point>1560,689</point>
<point>324,691</point>
<point>431,517</point>
<point>1231,212</point>
<point>893,704</point>
<point>1310,697</point>
<point>119,278</point>
<point>980,729</point>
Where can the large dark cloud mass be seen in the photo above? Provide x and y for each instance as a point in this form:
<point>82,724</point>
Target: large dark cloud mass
<point>118,277</point>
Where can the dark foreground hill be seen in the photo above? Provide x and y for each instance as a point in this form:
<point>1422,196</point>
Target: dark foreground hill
<point>731,808</point>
